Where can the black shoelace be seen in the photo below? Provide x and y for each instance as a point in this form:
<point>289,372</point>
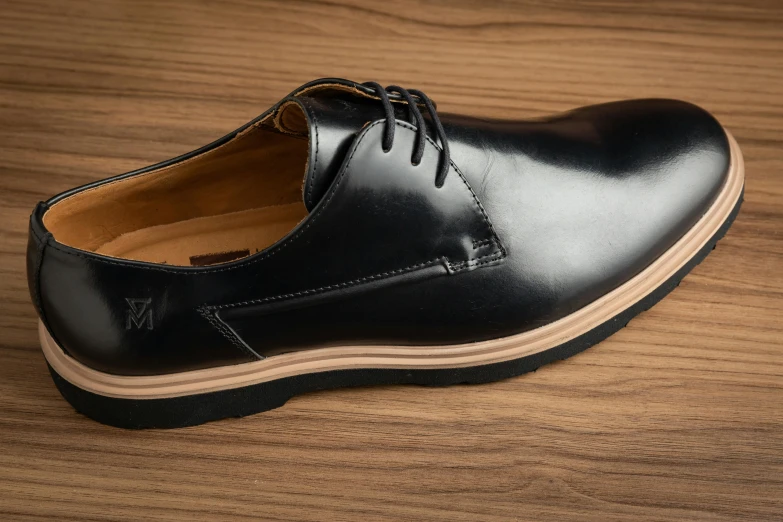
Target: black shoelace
<point>411,96</point>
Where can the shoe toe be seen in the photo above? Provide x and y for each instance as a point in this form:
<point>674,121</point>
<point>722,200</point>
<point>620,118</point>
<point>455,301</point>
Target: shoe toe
<point>599,193</point>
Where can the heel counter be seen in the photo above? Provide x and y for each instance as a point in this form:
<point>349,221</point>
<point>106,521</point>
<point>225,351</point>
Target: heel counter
<point>120,317</point>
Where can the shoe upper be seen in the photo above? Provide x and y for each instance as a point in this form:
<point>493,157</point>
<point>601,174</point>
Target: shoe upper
<point>534,220</point>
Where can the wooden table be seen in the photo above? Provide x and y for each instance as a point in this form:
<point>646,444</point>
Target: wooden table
<point>679,416</point>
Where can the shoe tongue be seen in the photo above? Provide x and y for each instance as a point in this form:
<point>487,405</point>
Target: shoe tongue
<point>331,120</point>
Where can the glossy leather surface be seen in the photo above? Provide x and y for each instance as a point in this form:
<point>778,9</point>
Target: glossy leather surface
<point>535,220</point>
<point>333,123</point>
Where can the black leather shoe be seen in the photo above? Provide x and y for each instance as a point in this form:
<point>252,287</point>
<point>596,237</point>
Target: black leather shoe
<point>351,235</point>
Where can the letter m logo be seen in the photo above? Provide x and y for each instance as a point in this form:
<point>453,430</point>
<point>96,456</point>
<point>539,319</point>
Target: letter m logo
<point>139,313</point>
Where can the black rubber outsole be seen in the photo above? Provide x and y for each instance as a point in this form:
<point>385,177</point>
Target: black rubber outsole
<point>191,410</point>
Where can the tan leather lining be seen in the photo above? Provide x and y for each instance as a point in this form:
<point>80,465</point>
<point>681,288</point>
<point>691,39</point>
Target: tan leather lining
<point>291,120</point>
<point>333,86</point>
<point>244,194</point>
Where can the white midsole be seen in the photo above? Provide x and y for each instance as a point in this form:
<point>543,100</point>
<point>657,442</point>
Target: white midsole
<point>413,357</point>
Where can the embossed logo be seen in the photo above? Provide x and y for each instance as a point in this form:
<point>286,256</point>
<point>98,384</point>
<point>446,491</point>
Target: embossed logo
<point>139,313</point>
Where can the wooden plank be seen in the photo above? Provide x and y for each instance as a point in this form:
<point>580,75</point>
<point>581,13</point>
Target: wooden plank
<point>678,416</point>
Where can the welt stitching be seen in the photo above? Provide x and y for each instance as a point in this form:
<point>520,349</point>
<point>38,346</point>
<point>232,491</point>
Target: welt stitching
<point>345,284</point>
<point>315,162</point>
<point>225,332</point>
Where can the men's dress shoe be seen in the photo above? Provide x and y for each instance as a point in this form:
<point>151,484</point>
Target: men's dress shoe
<point>352,235</point>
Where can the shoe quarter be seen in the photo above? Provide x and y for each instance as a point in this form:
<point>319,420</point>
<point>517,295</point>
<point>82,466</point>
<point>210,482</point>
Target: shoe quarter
<point>382,223</point>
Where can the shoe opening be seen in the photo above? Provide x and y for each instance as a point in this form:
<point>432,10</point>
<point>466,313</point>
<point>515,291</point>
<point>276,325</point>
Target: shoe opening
<point>223,204</point>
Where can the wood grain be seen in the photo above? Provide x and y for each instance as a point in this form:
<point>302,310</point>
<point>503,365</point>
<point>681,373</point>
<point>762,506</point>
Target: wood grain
<point>678,416</point>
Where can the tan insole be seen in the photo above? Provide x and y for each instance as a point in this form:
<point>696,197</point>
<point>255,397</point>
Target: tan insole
<point>210,239</point>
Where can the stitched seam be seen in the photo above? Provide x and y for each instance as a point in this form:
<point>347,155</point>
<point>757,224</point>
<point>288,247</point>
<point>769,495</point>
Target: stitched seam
<point>322,289</point>
<point>483,212</point>
<point>315,162</point>
<point>288,241</point>
<point>37,276</point>
<point>228,334</point>
<point>483,260</point>
<point>38,239</point>
<point>470,189</point>
<point>483,242</point>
